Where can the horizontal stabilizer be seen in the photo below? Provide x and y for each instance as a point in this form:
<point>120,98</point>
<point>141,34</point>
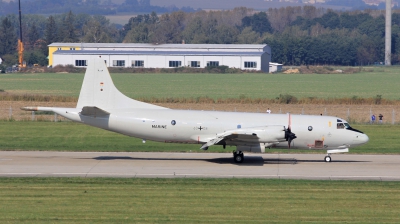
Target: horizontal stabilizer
<point>94,112</point>
<point>50,109</point>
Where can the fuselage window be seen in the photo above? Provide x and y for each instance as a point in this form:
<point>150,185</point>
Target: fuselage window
<point>340,126</point>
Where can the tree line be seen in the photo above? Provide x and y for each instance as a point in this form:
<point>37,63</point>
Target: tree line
<point>297,35</point>
<point>93,7</point>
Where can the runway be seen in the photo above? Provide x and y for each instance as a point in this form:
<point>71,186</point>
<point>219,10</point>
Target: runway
<point>198,165</point>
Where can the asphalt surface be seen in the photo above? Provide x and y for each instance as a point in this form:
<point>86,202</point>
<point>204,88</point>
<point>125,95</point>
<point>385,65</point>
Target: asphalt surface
<point>204,165</point>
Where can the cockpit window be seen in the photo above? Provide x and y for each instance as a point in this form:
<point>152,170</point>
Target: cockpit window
<point>338,120</point>
<point>340,126</point>
<point>348,127</point>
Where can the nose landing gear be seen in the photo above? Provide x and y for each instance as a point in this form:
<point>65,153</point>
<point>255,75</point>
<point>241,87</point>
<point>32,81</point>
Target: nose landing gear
<point>328,158</point>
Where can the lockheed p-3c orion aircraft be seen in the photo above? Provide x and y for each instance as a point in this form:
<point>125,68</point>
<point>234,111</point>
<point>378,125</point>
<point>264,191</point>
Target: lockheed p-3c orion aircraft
<point>102,105</point>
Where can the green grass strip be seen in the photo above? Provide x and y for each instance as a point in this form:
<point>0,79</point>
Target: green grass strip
<point>382,81</point>
<point>108,200</point>
<point>69,136</point>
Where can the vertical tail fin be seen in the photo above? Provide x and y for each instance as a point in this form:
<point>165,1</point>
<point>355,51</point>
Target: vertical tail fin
<point>98,90</point>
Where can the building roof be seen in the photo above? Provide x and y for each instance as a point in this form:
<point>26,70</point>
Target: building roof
<point>172,46</point>
<point>175,53</point>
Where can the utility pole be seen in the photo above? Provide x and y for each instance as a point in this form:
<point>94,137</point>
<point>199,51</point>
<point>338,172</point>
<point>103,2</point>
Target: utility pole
<point>388,33</point>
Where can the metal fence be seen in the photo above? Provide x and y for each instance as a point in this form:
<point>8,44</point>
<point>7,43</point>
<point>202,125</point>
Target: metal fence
<point>359,116</point>
<point>20,115</point>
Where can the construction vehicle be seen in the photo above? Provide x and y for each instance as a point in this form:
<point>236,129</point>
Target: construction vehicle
<point>21,62</point>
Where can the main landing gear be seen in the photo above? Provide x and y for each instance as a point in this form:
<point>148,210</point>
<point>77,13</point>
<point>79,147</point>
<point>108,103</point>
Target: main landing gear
<point>328,158</point>
<point>238,156</point>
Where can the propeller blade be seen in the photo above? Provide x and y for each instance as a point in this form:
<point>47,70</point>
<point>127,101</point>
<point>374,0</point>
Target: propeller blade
<point>289,135</point>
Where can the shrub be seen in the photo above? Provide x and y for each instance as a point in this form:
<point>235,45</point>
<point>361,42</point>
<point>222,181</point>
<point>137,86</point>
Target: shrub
<point>286,99</point>
<point>378,99</point>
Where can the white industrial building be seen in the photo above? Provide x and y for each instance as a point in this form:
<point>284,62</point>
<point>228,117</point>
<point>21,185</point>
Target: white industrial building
<point>275,67</point>
<point>242,56</point>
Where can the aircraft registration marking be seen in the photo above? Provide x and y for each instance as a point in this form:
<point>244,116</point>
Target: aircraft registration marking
<point>159,126</point>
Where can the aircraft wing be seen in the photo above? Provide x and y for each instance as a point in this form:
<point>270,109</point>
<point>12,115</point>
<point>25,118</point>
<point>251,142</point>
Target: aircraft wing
<point>267,134</point>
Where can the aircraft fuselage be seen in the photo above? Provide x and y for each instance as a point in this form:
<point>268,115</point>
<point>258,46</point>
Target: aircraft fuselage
<point>187,126</point>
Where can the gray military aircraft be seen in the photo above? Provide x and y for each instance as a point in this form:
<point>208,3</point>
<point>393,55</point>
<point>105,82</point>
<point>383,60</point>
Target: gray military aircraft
<point>102,105</point>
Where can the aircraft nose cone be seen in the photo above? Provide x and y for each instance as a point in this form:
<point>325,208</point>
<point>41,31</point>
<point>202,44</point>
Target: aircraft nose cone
<point>361,139</point>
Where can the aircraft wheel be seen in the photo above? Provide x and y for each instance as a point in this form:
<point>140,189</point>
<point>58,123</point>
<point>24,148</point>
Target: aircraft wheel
<point>328,159</point>
<point>238,157</point>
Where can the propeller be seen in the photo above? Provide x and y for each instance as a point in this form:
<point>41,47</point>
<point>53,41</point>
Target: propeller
<point>289,135</point>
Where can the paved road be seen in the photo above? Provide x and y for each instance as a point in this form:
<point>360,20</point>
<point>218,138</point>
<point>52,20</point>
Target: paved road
<point>216,165</point>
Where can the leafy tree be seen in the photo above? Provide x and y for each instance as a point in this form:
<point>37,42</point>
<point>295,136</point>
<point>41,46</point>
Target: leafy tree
<point>353,21</point>
<point>170,28</point>
<point>95,32</point>
<point>209,29</point>
<point>248,36</point>
<point>51,31</point>
<point>9,59</point>
<point>68,31</point>
<point>8,37</point>
<point>258,22</point>
<point>141,34</point>
<point>194,33</point>
<point>225,35</point>
<point>366,52</point>
<point>396,19</point>
<point>330,20</point>
<point>35,57</point>
<point>33,36</point>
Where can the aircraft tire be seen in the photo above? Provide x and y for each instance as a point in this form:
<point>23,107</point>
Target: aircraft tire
<point>328,159</point>
<point>238,157</point>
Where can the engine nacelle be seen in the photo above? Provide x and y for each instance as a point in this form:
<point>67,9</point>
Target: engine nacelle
<point>269,134</point>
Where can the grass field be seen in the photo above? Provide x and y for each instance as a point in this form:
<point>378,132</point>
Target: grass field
<point>112,200</point>
<point>383,81</point>
<point>104,200</point>
<point>68,136</point>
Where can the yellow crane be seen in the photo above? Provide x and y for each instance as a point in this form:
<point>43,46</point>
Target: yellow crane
<point>21,62</point>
